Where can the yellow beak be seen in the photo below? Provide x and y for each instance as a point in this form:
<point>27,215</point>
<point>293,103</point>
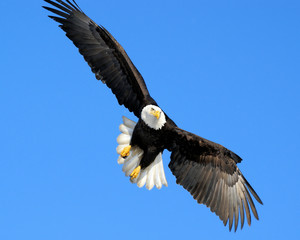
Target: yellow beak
<point>156,114</point>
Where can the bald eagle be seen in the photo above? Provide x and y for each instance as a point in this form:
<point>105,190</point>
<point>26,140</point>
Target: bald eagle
<point>206,169</point>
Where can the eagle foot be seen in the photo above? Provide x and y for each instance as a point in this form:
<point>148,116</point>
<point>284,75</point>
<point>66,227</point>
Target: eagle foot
<point>135,172</point>
<point>125,151</point>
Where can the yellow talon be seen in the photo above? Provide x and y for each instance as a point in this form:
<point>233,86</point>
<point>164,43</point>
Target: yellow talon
<point>135,172</point>
<point>125,151</point>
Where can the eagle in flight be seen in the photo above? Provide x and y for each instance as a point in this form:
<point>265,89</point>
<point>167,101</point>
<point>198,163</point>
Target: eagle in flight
<point>206,169</point>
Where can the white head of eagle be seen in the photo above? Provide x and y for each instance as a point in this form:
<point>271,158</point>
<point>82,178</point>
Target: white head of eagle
<point>153,116</point>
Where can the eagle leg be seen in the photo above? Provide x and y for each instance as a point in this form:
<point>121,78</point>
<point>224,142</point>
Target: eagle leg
<point>125,151</point>
<point>135,172</point>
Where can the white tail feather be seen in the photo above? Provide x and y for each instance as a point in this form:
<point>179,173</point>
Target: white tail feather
<point>123,138</point>
<point>154,174</point>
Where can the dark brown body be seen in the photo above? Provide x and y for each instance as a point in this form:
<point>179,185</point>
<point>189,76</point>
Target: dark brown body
<point>152,141</point>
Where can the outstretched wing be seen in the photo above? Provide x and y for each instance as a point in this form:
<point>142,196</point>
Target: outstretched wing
<point>209,172</point>
<point>106,57</point>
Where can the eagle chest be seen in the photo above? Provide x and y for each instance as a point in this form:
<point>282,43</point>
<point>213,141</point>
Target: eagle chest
<point>146,137</point>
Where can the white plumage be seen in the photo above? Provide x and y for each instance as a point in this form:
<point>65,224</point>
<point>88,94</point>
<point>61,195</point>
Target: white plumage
<point>154,174</point>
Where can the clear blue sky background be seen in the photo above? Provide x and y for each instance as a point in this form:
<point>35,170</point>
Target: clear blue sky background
<point>226,70</point>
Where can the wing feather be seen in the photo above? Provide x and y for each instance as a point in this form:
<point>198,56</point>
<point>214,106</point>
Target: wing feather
<point>106,57</point>
<point>216,196</point>
<point>241,208</point>
<point>65,9</point>
<point>209,172</point>
<point>230,210</point>
<point>236,208</point>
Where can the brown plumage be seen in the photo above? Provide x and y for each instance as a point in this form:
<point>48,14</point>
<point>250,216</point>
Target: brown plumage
<point>106,57</point>
<point>209,172</point>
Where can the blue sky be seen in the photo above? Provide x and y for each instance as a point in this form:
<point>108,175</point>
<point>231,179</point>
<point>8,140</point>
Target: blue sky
<point>225,70</point>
